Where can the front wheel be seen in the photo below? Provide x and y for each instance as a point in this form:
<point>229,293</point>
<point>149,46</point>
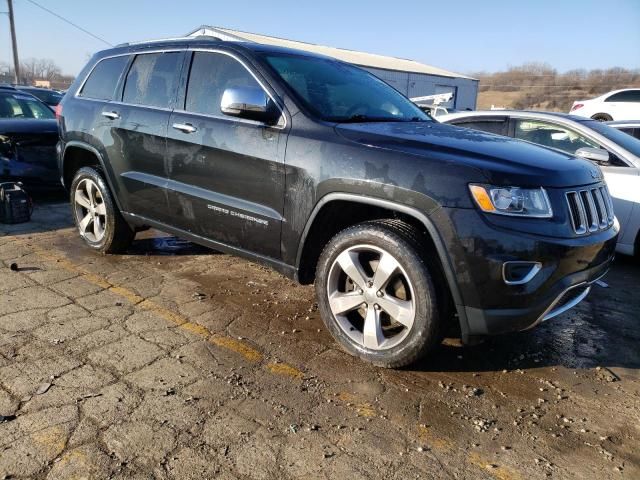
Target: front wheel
<point>96,216</point>
<point>376,294</point>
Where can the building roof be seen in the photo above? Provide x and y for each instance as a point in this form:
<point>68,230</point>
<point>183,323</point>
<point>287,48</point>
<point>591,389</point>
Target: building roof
<point>362,59</point>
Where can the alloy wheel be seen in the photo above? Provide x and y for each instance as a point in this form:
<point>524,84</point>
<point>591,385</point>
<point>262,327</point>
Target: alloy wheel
<point>90,210</point>
<point>371,297</point>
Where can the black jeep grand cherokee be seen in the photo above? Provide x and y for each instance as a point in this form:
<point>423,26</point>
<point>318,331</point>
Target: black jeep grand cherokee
<point>327,174</point>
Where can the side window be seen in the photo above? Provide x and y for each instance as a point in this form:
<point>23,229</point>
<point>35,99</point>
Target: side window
<point>153,79</point>
<point>497,126</point>
<point>626,96</point>
<point>551,135</point>
<point>103,79</point>
<point>211,74</point>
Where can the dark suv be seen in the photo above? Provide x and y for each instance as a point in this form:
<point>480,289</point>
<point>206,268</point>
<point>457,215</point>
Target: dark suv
<point>324,172</point>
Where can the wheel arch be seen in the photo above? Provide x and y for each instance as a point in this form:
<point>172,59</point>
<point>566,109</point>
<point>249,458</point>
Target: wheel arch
<point>78,154</point>
<point>404,210</point>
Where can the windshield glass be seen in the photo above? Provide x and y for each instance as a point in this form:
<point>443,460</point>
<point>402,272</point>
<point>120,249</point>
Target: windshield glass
<point>625,140</point>
<point>339,92</point>
<point>18,106</point>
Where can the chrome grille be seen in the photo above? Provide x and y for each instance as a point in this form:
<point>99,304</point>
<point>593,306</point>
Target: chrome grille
<point>590,209</point>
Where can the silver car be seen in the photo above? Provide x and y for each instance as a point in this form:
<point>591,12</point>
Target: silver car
<point>617,153</point>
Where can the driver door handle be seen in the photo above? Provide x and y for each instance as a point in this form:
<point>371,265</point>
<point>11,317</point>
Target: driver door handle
<point>185,127</point>
<point>111,115</point>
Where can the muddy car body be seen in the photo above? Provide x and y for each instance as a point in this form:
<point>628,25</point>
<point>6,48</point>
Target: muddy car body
<point>375,205</point>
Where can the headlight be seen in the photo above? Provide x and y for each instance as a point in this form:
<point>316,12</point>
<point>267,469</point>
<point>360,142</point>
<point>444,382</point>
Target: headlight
<point>514,201</point>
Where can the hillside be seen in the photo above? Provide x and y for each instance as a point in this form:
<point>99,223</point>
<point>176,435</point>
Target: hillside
<point>540,87</point>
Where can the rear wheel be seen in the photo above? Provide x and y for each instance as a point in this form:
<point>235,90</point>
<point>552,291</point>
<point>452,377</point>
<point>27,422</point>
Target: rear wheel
<point>376,295</point>
<point>97,218</point>
<point>602,117</point>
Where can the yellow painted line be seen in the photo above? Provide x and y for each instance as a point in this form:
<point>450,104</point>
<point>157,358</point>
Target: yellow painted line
<point>427,436</point>
<point>237,346</point>
<point>131,297</point>
<point>364,409</point>
<point>165,313</point>
<point>497,471</point>
<point>52,439</point>
<point>195,328</point>
<point>285,370</point>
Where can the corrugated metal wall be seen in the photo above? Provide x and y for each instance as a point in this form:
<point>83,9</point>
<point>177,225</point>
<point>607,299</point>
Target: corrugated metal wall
<point>418,85</point>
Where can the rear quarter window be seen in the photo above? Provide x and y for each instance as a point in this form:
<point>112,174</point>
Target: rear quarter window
<point>102,81</point>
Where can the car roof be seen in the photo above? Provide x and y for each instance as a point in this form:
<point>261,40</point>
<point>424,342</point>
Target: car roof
<point>205,42</point>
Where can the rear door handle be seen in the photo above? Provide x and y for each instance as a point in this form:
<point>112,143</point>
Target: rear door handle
<point>185,127</point>
<point>111,115</point>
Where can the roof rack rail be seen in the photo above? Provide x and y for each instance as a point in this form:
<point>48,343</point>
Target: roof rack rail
<point>158,40</point>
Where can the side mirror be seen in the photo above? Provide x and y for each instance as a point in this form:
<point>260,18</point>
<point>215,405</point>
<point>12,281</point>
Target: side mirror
<point>597,155</point>
<point>251,103</point>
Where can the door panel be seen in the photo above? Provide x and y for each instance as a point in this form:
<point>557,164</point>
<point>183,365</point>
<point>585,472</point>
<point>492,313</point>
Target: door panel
<point>226,175</point>
<point>139,129</point>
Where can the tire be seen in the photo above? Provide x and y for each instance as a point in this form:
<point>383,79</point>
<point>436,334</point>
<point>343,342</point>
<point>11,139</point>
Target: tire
<point>355,307</point>
<point>602,117</point>
<point>99,222</point>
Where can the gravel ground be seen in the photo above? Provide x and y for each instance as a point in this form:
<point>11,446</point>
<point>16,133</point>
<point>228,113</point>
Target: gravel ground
<point>174,361</point>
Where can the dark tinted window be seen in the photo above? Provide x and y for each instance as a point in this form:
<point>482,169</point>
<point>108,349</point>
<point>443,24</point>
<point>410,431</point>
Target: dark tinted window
<point>103,79</point>
<point>628,96</point>
<point>211,74</point>
<point>498,127</point>
<point>153,79</point>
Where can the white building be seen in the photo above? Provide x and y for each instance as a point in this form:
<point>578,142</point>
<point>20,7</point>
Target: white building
<point>412,78</point>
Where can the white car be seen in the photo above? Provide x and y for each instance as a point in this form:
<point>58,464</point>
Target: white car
<point>617,153</point>
<point>616,105</point>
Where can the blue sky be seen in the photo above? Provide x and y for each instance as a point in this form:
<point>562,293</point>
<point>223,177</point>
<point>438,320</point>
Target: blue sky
<point>463,36</point>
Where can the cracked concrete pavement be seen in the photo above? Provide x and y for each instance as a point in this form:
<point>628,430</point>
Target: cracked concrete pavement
<point>174,361</point>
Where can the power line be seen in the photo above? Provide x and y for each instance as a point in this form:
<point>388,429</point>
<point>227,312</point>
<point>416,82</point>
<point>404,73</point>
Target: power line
<point>70,23</point>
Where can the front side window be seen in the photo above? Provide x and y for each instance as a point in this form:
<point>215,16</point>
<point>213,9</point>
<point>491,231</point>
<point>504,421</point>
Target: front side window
<point>103,79</point>
<point>626,96</point>
<point>18,106</point>
<point>338,92</point>
<point>552,136</point>
<point>210,75</point>
<point>153,79</point>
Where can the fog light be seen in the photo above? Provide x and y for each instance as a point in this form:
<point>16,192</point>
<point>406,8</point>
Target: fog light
<point>519,273</point>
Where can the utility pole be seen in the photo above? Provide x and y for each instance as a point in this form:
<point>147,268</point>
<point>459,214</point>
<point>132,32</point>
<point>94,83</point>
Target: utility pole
<point>16,62</point>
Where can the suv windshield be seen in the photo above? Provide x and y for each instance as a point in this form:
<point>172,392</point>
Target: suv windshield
<point>339,92</point>
<point>625,140</point>
<point>23,106</point>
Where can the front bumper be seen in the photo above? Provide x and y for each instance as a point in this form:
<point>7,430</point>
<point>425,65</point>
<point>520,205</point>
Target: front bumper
<point>478,251</point>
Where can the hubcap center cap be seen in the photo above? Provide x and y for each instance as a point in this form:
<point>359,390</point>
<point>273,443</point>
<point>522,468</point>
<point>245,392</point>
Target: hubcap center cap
<point>370,295</point>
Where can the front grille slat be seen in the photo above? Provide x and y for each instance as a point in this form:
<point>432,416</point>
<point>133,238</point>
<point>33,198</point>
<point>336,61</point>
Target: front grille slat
<point>590,209</point>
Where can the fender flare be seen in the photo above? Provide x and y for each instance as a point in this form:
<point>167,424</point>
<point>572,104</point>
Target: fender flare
<point>441,250</point>
<point>98,155</point>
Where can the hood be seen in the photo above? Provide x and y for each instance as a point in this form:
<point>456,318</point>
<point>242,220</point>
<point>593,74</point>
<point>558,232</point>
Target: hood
<point>502,160</point>
<point>28,125</point>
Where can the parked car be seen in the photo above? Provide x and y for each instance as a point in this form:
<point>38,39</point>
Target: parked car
<point>28,137</point>
<point>326,173</point>
<point>617,153</point>
<point>45,95</point>
<point>615,105</point>
<point>631,127</point>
